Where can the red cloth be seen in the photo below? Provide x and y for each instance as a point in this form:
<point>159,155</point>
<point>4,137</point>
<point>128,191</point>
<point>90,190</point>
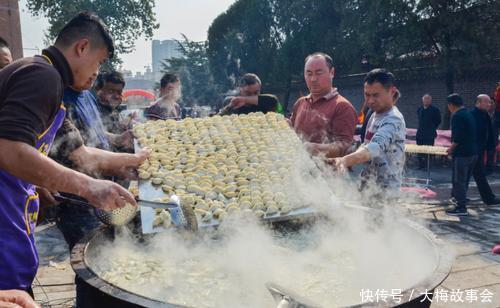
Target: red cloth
<point>422,192</point>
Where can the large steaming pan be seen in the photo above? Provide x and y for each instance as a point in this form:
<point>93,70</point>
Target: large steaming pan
<point>104,294</point>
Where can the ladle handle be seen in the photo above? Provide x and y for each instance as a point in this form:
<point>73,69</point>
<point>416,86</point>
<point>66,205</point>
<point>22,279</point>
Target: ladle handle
<point>284,303</point>
<point>61,198</point>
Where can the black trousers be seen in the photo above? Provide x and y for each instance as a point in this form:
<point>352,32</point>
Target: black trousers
<point>483,186</point>
<point>30,292</point>
<point>461,173</point>
<point>422,163</point>
<point>75,222</point>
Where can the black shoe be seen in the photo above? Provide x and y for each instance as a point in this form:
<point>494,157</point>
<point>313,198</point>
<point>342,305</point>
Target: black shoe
<point>493,201</point>
<point>457,212</point>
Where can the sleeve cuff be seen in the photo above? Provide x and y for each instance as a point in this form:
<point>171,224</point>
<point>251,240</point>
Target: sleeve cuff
<point>20,136</point>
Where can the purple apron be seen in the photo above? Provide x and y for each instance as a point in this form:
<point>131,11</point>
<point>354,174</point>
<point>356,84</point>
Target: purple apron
<point>18,214</point>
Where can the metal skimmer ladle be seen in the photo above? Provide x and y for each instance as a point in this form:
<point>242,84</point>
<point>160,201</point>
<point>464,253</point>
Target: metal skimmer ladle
<point>288,299</point>
<point>183,216</point>
<point>116,217</point>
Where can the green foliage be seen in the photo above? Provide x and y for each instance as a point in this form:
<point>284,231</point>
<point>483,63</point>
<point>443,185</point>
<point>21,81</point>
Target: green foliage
<point>241,41</point>
<point>198,87</point>
<point>126,19</point>
<point>272,37</point>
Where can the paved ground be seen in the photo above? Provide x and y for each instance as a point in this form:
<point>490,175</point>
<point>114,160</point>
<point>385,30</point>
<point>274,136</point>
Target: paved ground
<point>475,277</point>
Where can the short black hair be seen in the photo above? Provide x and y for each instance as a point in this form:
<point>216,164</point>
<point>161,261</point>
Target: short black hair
<point>249,79</point>
<point>86,25</point>
<point>3,43</point>
<point>328,59</point>
<point>168,78</point>
<point>455,100</point>
<point>113,77</point>
<point>382,76</point>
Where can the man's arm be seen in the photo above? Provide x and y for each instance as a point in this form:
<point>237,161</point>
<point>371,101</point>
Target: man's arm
<point>361,155</point>
<point>25,162</point>
<point>458,129</point>
<point>378,144</point>
<point>329,150</point>
<point>452,148</point>
<point>123,140</point>
<point>490,142</point>
<point>342,127</point>
<point>437,117</point>
<point>100,162</point>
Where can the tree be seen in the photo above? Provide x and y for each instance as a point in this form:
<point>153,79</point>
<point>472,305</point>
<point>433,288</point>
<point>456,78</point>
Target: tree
<point>126,19</point>
<point>272,37</point>
<point>198,86</point>
<point>459,34</point>
<point>301,28</point>
<point>240,41</point>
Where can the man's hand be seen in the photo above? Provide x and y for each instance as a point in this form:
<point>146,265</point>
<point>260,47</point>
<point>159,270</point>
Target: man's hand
<point>126,123</point>
<point>16,299</point>
<point>46,197</point>
<point>449,151</point>
<point>338,163</point>
<point>141,156</point>
<point>313,148</point>
<point>123,140</point>
<point>47,200</point>
<point>107,196</point>
<point>238,102</point>
<point>128,169</point>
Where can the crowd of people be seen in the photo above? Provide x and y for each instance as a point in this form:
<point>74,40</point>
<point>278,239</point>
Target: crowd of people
<point>61,132</point>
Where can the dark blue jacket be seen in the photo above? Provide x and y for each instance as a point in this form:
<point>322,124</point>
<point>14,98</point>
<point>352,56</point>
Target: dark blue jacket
<point>428,121</point>
<point>463,132</point>
<point>484,130</point>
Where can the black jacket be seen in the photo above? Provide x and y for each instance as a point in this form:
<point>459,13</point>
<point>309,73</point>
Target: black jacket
<point>484,130</point>
<point>266,103</point>
<point>428,121</point>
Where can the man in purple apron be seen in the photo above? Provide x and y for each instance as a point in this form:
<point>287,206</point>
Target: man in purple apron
<point>18,215</point>
<point>31,112</point>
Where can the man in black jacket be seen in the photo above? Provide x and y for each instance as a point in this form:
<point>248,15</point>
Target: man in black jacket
<point>250,99</point>
<point>429,118</point>
<point>464,152</point>
<point>485,141</point>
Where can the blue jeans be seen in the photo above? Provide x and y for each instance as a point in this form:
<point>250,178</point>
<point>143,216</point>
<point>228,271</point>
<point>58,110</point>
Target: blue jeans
<point>461,173</point>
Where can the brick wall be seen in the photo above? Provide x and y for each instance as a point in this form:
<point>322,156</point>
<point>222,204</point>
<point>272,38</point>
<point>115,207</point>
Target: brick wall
<point>413,85</point>
<point>10,26</point>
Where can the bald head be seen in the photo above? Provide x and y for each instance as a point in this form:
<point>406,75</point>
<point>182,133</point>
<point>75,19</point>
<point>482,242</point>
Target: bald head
<point>318,74</point>
<point>5,56</point>
<point>426,100</point>
<point>483,102</point>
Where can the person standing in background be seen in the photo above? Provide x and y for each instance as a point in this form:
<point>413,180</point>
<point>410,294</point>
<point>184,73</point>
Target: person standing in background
<point>485,142</point>
<point>109,96</point>
<point>250,99</point>
<point>463,150</point>
<point>166,107</point>
<point>5,55</point>
<point>429,118</point>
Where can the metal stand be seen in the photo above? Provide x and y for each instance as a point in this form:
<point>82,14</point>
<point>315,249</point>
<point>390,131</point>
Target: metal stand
<point>428,180</point>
